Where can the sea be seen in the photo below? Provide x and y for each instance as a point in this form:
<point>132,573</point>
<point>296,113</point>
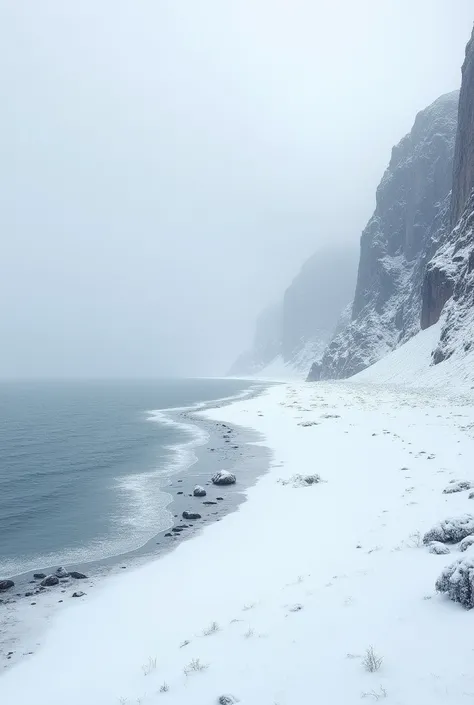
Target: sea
<point>85,465</point>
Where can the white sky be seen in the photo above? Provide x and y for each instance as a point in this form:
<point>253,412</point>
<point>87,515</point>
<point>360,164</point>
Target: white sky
<point>167,165</point>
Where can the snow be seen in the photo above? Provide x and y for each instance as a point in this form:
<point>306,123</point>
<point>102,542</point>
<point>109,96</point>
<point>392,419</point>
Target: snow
<point>411,365</point>
<point>282,600</point>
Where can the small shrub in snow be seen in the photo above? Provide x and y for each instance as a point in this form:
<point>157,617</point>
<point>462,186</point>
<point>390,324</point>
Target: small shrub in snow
<point>249,633</point>
<point>371,660</point>
<point>466,543</point>
<point>301,480</point>
<point>195,666</point>
<point>438,548</point>
<point>451,530</point>
<point>460,486</point>
<point>471,495</point>
<point>227,700</point>
<point>211,629</point>
<point>164,688</point>
<point>376,694</point>
<point>457,580</point>
<point>149,667</point>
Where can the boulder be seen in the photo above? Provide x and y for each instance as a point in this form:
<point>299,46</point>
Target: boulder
<point>227,700</point>
<point>61,573</point>
<point>451,530</point>
<point>191,515</point>
<point>39,576</point>
<point>77,576</point>
<point>466,543</point>
<point>50,581</point>
<point>6,585</point>
<point>438,548</point>
<point>199,491</point>
<point>79,593</point>
<point>460,486</point>
<point>457,580</point>
<point>224,477</point>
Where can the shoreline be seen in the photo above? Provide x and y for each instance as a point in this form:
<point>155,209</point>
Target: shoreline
<point>20,630</point>
<point>289,593</point>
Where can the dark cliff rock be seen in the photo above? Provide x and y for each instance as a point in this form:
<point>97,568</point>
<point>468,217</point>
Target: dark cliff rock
<point>297,331</point>
<point>411,214</point>
<point>449,282</point>
<point>463,171</point>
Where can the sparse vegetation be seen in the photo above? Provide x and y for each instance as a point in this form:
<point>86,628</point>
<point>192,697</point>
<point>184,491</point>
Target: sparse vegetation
<point>416,539</point>
<point>372,661</point>
<point>164,688</point>
<point>184,643</point>
<point>376,694</point>
<point>195,666</point>
<point>149,667</point>
<point>211,629</point>
<point>249,606</point>
<point>249,633</point>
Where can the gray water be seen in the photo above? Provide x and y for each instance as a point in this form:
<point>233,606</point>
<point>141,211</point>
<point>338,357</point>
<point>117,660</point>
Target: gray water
<point>84,466</point>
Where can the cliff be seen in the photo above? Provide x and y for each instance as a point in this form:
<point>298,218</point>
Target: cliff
<point>411,215</point>
<point>295,332</point>
<point>448,289</point>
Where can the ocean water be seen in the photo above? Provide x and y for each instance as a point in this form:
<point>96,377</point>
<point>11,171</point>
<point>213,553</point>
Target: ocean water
<point>84,465</point>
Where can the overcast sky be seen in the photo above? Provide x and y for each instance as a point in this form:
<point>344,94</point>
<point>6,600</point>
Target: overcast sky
<point>166,166</point>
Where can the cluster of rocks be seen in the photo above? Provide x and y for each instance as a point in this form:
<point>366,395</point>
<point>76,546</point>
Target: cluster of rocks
<point>222,477</point>
<point>43,581</point>
<point>457,579</point>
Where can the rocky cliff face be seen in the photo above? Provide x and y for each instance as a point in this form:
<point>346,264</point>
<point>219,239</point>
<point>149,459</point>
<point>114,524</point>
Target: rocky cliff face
<point>295,332</point>
<point>411,214</point>
<point>448,288</point>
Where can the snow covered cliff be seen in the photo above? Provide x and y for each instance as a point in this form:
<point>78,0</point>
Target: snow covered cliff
<point>412,209</point>
<point>290,335</point>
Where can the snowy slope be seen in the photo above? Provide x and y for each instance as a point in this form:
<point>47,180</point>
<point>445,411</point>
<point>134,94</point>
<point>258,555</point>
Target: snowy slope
<point>411,365</point>
<point>281,601</point>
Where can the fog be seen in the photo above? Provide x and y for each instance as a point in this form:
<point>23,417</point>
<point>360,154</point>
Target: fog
<point>167,165</point>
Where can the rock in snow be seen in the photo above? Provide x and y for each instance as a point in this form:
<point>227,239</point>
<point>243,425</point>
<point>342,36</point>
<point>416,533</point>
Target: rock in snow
<point>77,576</point>
<point>61,573</point>
<point>451,530</point>
<point>50,581</point>
<point>466,543</point>
<point>224,477</point>
<point>458,487</point>
<point>457,580</point>
<point>227,700</point>
<point>199,491</point>
<point>438,548</point>
<point>301,480</point>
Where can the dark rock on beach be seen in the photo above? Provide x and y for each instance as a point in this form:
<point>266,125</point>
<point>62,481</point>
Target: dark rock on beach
<point>199,491</point>
<point>224,477</point>
<point>79,593</point>
<point>62,573</point>
<point>191,515</point>
<point>39,576</point>
<point>50,581</point>
<point>77,576</point>
<point>6,585</point>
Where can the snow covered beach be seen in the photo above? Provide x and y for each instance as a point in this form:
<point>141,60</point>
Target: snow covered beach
<point>280,601</point>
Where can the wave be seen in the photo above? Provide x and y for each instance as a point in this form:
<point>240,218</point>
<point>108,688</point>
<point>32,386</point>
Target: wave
<point>142,498</point>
